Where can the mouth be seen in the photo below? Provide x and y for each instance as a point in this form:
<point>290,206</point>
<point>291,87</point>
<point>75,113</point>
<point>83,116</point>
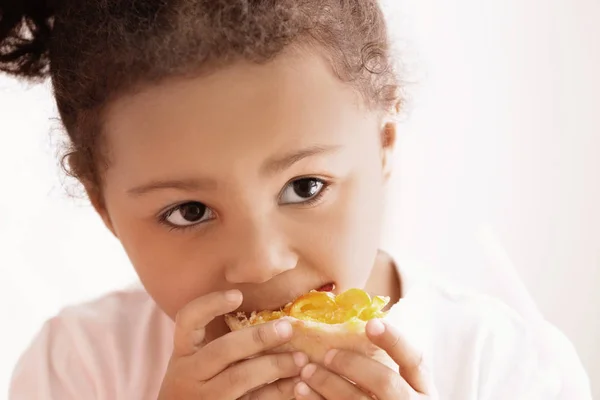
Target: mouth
<point>328,288</point>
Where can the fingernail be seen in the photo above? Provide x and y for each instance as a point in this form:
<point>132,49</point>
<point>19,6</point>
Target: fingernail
<point>300,359</point>
<point>375,327</point>
<point>308,371</point>
<point>302,389</point>
<point>284,329</point>
<point>232,295</point>
<point>329,356</point>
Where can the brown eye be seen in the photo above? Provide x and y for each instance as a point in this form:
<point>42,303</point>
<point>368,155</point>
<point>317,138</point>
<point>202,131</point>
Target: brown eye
<point>301,190</point>
<point>189,214</point>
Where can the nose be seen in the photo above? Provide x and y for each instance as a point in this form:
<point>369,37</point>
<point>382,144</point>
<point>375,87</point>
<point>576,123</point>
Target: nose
<point>259,254</point>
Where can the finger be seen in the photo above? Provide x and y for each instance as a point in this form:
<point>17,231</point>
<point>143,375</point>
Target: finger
<point>281,389</point>
<point>369,374</point>
<point>409,359</point>
<point>193,318</point>
<point>329,385</point>
<point>304,392</point>
<point>239,345</point>
<point>249,375</point>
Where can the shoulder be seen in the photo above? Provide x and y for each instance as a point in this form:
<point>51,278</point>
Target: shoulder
<point>99,349</point>
<point>120,320</point>
<point>130,308</point>
<point>482,349</point>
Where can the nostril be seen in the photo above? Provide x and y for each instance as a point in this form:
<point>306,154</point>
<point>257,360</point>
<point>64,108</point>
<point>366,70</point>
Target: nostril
<point>258,260</point>
<point>255,272</point>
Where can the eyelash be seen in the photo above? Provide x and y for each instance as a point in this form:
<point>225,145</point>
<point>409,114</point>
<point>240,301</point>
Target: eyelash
<point>163,217</point>
<point>317,198</point>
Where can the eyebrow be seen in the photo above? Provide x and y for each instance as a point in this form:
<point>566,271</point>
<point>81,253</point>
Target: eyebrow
<point>187,185</point>
<point>281,163</point>
<point>270,167</point>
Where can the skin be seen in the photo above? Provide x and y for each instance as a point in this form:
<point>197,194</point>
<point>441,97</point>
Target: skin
<point>411,382</point>
<point>225,138</point>
<point>238,365</point>
<point>234,141</point>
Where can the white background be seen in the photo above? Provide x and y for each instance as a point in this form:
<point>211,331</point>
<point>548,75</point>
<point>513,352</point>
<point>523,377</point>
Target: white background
<point>497,167</point>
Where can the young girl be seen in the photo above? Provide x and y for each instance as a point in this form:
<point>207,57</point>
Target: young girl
<point>239,150</point>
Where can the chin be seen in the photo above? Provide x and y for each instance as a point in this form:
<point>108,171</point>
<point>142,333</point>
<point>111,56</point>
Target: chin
<point>322,321</point>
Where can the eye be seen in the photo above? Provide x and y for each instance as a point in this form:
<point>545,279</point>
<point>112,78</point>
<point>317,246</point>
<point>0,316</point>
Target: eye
<point>302,191</point>
<point>188,214</point>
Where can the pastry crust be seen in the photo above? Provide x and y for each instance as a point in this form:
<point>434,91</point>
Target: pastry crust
<point>316,338</point>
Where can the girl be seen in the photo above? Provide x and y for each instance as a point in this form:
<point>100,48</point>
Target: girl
<point>239,150</point>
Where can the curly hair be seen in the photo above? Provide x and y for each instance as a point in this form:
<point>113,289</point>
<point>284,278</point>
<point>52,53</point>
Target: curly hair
<point>95,51</point>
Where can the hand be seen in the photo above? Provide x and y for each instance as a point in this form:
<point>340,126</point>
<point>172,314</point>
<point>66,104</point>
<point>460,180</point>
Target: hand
<point>371,378</point>
<point>223,368</point>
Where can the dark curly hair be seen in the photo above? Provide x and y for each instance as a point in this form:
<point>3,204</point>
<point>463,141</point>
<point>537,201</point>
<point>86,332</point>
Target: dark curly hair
<point>97,50</point>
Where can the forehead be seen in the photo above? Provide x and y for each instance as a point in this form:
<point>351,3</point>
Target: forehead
<point>242,111</point>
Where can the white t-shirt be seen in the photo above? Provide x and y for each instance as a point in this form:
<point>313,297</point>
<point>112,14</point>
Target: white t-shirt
<point>118,347</point>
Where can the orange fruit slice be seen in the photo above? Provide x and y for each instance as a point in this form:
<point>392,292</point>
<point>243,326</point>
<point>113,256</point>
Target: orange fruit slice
<point>327,308</point>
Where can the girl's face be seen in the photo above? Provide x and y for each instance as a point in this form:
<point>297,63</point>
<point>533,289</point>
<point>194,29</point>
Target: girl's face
<point>265,178</point>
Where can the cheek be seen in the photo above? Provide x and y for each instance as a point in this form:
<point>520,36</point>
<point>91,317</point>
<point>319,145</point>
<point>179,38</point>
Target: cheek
<point>174,267</point>
<point>343,239</point>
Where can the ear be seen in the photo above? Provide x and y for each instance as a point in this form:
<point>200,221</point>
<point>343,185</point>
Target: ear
<point>98,203</point>
<point>388,144</point>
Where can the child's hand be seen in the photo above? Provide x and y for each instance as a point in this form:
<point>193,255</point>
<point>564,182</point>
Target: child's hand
<point>372,379</point>
<point>220,369</point>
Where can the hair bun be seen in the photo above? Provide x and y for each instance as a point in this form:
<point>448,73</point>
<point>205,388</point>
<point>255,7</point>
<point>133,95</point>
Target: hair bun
<point>25,32</point>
